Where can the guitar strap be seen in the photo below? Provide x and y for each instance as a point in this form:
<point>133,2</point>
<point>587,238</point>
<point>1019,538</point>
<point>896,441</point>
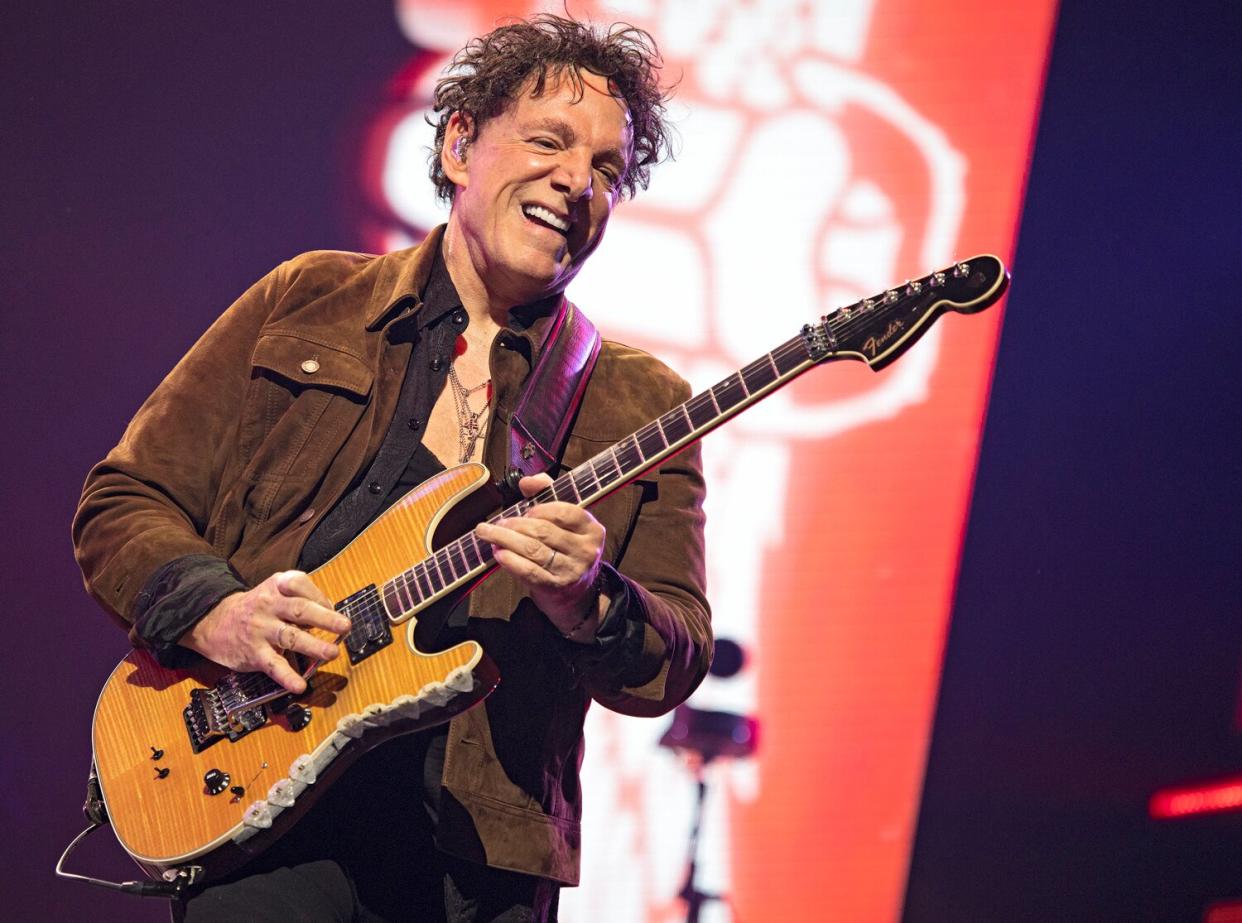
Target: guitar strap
<point>553,392</point>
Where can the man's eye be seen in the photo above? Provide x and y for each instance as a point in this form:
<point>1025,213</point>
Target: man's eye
<point>545,143</point>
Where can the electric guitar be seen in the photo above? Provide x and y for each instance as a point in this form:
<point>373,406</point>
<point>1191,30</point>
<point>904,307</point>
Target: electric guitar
<point>202,768</point>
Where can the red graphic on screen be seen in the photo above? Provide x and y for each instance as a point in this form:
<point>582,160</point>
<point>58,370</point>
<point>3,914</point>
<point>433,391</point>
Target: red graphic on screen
<point>828,150</point>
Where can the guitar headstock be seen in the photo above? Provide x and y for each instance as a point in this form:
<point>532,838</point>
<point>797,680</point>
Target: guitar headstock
<point>879,329</point>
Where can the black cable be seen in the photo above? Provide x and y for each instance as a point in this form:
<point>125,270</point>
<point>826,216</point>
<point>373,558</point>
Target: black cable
<point>167,889</point>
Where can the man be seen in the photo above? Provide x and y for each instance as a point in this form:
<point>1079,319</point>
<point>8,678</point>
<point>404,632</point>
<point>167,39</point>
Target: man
<point>340,381</point>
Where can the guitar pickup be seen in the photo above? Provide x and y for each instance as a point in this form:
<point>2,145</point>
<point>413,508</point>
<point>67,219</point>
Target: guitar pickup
<point>371,631</point>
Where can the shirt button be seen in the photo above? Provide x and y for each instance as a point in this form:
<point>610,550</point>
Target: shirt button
<point>374,487</point>
<point>310,366</point>
<point>459,318</point>
<point>414,423</point>
<point>306,516</point>
<point>437,363</point>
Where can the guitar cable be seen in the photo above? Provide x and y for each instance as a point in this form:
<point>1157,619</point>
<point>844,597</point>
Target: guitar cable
<point>97,814</point>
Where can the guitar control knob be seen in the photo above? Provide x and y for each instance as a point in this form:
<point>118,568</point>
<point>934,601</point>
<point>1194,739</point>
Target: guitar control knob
<point>298,716</point>
<point>157,753</point>
<point>161,772</point>
<point>238,791</point>
<point>215,781</point>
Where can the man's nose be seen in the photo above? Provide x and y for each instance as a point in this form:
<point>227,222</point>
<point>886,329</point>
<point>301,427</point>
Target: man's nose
<point>573,176</point>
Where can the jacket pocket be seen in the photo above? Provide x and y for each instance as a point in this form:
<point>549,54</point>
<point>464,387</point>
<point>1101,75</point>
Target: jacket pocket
<point>305,398</point>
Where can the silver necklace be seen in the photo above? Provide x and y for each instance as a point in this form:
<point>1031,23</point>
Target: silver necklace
<point>469,427</point>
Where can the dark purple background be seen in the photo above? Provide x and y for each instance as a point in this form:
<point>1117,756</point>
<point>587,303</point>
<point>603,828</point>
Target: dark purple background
<point>156,162</point>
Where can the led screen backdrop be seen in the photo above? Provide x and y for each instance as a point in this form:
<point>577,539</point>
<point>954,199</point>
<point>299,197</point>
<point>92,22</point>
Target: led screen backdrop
<point>826,151</point>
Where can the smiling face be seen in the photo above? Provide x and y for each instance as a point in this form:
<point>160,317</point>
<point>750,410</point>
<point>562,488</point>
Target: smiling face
<point>535,189</point>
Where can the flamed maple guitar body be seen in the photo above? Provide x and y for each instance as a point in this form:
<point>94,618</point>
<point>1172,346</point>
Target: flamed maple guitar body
<point>202,768</point>
<point>161,808</point>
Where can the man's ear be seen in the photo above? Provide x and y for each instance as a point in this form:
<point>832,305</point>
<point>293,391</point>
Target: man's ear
<point>456,148</point>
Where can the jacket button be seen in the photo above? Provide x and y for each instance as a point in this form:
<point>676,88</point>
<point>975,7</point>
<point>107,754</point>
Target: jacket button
<point>310,366</point>
<point>414,423</point>
<point>306,516</point>
<point>374,487</point>
<point>437,363</point>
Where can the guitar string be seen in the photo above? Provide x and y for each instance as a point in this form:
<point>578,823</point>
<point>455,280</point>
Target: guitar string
<point>841,324</point>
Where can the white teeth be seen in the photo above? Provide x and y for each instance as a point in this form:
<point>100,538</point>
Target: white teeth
<point>538,211</point>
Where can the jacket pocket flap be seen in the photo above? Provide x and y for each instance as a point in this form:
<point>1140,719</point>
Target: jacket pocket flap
<point>311,364</point>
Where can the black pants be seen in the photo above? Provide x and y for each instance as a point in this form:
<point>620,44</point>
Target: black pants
<point>366,852</point>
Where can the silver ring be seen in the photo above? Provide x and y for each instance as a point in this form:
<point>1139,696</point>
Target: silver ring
<point>548,566</point>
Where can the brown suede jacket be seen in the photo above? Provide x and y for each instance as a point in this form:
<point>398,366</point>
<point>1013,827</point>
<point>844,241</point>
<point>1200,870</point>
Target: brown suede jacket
<point>241,450</point>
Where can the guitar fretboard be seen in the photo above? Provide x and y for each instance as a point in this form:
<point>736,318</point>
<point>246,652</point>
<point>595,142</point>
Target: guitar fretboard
<point>466,558</point>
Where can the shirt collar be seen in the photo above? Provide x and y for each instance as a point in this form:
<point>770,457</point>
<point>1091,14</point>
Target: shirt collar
<point>417,278</point>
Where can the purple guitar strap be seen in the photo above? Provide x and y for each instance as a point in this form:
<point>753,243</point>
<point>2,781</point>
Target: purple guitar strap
<point>541,420</point>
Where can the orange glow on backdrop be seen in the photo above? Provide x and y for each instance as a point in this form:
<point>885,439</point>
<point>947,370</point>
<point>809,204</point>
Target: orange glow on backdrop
<point>828,150</point>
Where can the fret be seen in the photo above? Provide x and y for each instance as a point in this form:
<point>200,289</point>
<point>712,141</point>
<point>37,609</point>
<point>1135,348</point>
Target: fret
<point>650,440</point>
<point>564,488</point>
<point>424,582</point>
<point>757,376</point>
<point>612,471</point>
<point>432,569</point>
<point>711,393</point>
<point>629,454</point>
<point>701,411</point>
<point>584,480</point>
<point>392,603</point>
<point>402,587</point>
<point>676,425</point>
<point>730,392</point>
<point>471,550</point>
<point>445,564</point>
<point>453,552</point>
<point>776,373</point>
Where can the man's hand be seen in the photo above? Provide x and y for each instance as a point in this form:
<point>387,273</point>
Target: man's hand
<point>554,550</point>
<point>251,631</point>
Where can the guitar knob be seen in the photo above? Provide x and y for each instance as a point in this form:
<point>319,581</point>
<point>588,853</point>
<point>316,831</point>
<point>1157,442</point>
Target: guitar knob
<point>156,753</point>
<point>215,781</point>
<point>298,716</point>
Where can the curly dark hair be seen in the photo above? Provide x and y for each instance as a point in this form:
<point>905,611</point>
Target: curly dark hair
<point>484,78</point>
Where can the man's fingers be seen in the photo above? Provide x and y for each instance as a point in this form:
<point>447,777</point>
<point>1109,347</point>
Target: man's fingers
<point>297,583</point>
<point>278,669</point>
<point>312,615</point>
<point>532,484</point>
<point>521,539</point>
<point>291,638</point>
<point>524,568</point>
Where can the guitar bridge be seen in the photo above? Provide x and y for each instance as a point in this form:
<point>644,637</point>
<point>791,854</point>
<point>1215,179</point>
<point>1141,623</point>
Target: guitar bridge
<point>209,717</point>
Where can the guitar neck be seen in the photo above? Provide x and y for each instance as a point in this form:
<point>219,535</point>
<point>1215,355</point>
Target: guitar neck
<point>875,330</point>
<point>468,558</point>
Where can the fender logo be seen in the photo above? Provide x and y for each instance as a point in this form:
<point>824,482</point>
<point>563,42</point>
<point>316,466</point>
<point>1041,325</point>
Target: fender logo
<point>874,344</point>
